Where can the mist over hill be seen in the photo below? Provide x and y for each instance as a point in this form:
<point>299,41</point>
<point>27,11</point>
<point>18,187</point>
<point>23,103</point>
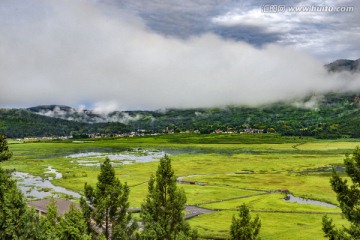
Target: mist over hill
<point>344,65</point>
<point>83,115</point>
<point>329,116</point>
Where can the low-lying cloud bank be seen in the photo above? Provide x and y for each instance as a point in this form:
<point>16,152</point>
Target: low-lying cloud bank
<point>77,52</point>
<point>89,116</point>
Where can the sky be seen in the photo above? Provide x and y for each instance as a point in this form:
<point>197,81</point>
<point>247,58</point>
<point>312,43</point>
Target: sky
<point>147,55</point>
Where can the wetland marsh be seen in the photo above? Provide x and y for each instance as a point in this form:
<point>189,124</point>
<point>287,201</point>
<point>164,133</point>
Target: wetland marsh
<point>217,172</point>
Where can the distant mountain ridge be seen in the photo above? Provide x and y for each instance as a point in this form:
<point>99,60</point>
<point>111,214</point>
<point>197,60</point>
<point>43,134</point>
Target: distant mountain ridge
<point>344,65</point>
<point>330,116</point>
<point>19,123</point>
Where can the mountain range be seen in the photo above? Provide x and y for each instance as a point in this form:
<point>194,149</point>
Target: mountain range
<point>344,65</point>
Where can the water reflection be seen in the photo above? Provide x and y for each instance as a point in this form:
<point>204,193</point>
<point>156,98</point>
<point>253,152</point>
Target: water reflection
<point>36,187</point>
<point>126,157</point>
<point>292,198</point>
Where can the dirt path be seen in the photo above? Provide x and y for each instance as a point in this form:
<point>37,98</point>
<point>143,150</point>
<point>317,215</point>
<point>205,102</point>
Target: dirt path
<point>194,211</point>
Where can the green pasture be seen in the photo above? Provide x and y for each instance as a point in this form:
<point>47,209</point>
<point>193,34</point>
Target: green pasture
<point>225,171</point>
<point>274,226</point>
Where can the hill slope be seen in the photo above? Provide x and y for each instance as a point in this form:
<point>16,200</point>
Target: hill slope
<point>18,123</point>
<point>344,65</point>
<point>332,115</point>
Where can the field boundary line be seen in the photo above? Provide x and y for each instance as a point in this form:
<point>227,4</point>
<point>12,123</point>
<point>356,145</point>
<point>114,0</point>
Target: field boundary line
<point>295,146</point>
<point>294,212</point>
<point>234,198</point>
<point>240,188</point>
<point>137,184</point>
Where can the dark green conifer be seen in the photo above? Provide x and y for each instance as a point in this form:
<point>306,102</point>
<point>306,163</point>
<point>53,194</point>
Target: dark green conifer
<point>108,205</point>
<point>348,196</point>
<point>162,212</point>
<point>243,228</point>
<point>5,153</point>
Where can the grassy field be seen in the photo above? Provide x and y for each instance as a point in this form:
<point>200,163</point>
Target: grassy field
<point>229,170</point>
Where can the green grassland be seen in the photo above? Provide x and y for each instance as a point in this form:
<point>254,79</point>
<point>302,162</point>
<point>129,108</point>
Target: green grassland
<point>228,170</point>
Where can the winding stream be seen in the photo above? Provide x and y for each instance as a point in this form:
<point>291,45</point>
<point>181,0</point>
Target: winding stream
<point>292,198</point>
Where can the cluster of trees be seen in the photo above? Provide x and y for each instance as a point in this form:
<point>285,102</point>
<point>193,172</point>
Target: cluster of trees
<point>323,119</point>
<point>19,123</point>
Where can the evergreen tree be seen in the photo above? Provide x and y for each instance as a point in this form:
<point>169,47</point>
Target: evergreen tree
<point>108,205</point>
<point>243,228</point>
<point>48,223</point>
<point>16,220</point>
<point>30,225</point>
<point>162,211</point>
<point>5,153</point>
<point>348,196</point>
<point>72,225</point>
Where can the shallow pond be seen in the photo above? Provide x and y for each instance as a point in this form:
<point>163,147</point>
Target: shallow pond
<point>37,187</point>
<point>58,175</point>
<point>292,198</point>
<point>126,157</point>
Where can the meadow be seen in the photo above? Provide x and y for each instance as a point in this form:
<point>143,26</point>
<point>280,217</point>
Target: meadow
<point>225,171</point>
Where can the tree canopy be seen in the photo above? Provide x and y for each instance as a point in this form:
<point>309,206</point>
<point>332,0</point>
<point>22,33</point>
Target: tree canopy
<point>348,196</point>
<point>243,228</point>
<point>107,204</point>
<point>162,210</point>
<point>16,220</point>
<point>5,153</point>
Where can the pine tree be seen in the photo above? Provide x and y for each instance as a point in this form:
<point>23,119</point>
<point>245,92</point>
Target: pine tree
<point>5,153</point>
<point>48,223</point>
<point>243,228</point>
<point>108,205</point>
<point>73,226</point>
<point>16,220</point>
<point>348,196</point>
<point>162,211</point>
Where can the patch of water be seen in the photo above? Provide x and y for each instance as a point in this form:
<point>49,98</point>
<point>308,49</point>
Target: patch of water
<point>86,154</point>
<point>292,198</point>
<point>127,157</point>
<point>36,187</point>
<point>58,175</point>
<point>135,158</point>
<point>326,169</point>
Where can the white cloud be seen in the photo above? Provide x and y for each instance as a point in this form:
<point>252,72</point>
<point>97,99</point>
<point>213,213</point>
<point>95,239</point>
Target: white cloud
<point>269,22</point>
<point>105,107</point>
<point>76,52</point>
<point>309,31</point>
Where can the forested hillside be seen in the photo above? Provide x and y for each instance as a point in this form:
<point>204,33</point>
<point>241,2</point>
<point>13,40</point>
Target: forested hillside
<point>18,123</point>
<point>329,116</point>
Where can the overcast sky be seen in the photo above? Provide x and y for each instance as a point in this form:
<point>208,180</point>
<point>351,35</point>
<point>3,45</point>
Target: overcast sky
<point>138,54</point>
